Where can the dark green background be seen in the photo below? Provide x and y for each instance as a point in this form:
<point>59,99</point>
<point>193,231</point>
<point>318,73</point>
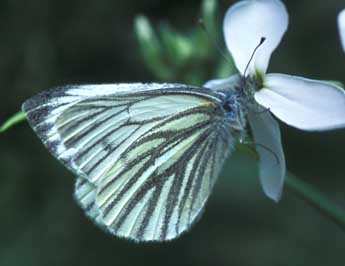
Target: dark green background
<point>44,43</point>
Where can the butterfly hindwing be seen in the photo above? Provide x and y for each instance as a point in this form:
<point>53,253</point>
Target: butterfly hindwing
<point>146,155</point>
<point>85,195</point>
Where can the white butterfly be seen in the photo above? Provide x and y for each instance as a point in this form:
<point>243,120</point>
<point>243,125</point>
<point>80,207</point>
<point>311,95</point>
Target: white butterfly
<point>146,156</point>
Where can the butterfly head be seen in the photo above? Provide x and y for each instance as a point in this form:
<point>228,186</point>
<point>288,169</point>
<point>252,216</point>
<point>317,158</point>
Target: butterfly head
<point>235,114</point>
<point>250,83</point>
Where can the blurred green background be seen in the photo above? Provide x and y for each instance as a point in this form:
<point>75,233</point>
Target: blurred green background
<point>44,43</point>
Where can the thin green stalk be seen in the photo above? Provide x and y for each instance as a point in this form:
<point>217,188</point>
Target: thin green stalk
<point>13,120</point>
<point>316,199</point>
<point>307,192</point>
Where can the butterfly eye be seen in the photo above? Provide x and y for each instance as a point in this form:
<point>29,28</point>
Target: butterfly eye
<point>228,106</point>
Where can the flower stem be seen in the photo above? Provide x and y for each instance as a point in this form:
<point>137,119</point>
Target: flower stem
<point>316,199</point>
<point>15,119</point>
<point>307,192</point>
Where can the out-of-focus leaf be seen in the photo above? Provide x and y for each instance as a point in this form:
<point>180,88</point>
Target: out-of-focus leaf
<point>151,49</point>
<point>209,16</point>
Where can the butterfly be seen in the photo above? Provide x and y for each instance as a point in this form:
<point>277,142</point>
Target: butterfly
<point>146,156</point>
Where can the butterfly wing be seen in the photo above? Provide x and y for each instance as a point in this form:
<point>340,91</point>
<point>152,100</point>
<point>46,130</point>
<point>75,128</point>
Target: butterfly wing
<point>85,195</point>
<point>146,155</point>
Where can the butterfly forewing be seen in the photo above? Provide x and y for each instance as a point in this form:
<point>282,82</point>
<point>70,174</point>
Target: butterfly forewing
<point>147,155</point>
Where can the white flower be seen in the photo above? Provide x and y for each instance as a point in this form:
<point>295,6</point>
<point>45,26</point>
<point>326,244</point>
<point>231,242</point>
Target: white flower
<point>299,102</point>
<point>341,26</point>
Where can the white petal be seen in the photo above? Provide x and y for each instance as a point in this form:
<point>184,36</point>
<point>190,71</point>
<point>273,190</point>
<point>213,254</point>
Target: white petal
<point>341,25</point>
<point>272,168</point>
<point>303,103</point>
<point>246,23</point>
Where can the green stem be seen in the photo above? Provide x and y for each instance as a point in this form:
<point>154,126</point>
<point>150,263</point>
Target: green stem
<point>15,119</point>
<point>316,199</point>
<point>307,192</point>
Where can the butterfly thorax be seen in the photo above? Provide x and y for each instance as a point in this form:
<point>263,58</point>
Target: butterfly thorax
<point>239,99</point>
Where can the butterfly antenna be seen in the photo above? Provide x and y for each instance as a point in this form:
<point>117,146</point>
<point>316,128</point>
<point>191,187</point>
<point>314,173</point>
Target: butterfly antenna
<point>262,146</point>
<point>262,40</point>
<point>215,44</point>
